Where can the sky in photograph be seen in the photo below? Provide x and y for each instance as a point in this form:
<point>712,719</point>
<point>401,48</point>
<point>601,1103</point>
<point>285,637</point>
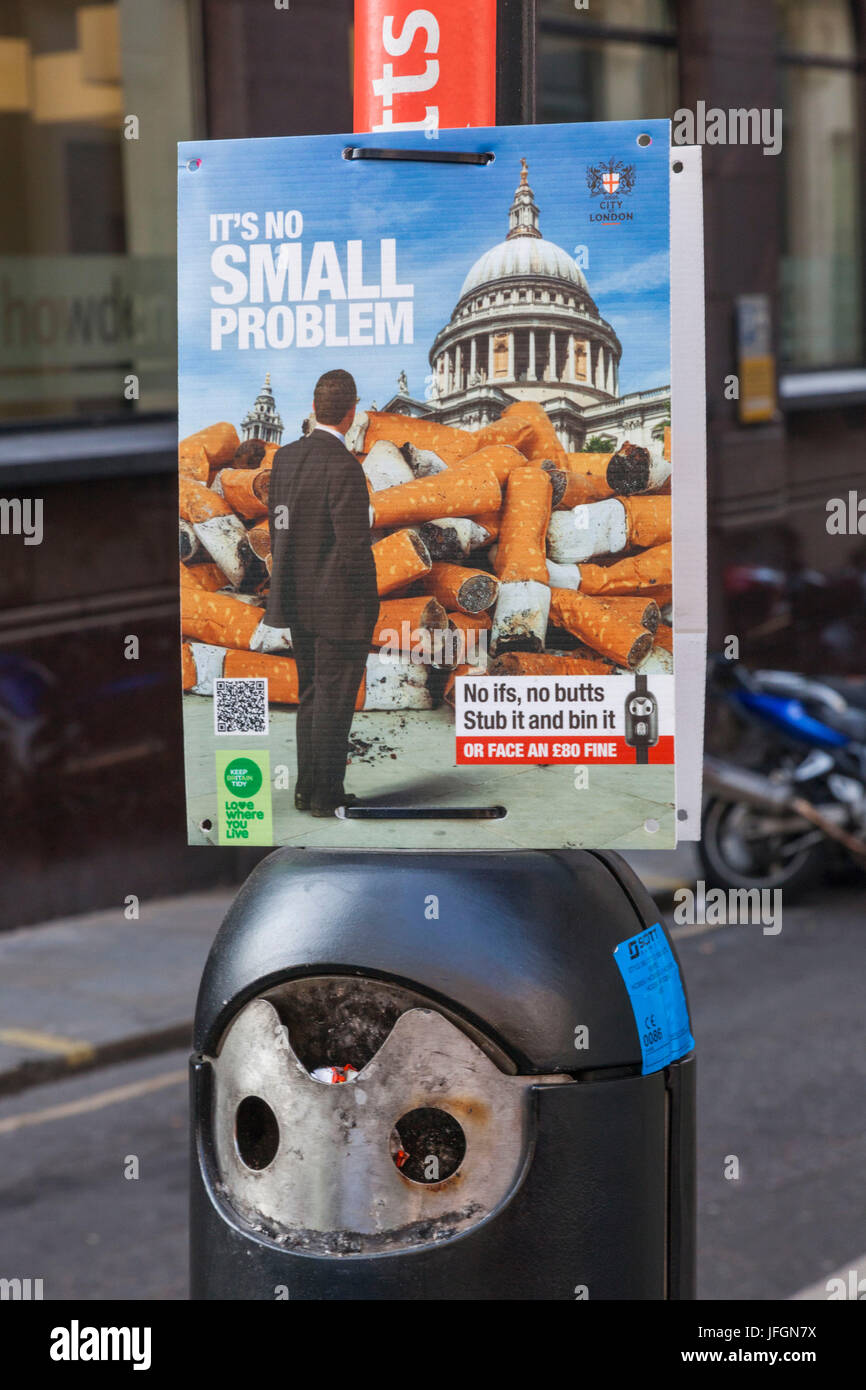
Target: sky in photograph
<point>443,217</point>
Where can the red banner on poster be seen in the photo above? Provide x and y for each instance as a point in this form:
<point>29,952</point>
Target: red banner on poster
<point>582,751</point>
<point>425,67</point>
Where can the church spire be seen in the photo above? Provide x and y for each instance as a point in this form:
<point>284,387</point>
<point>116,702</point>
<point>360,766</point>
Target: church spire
<point>523,214</point>
<point>263,421</point>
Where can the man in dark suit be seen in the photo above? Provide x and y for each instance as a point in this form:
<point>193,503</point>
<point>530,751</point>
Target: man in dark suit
<point>323,586</point>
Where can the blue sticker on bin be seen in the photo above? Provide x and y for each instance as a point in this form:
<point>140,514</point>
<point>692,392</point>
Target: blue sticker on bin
<point>655,990</point>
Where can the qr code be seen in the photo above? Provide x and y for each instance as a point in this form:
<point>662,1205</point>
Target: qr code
<point>240,705</point>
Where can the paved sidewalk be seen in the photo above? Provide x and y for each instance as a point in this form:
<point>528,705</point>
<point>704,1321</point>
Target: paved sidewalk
<point>91,990</point>
<point>86,991</point>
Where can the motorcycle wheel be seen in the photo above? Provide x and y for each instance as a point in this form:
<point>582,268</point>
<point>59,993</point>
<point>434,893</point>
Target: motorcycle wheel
<point>735,854</point>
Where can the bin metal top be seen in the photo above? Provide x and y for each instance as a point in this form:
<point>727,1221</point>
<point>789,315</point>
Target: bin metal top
<point>519,945</point>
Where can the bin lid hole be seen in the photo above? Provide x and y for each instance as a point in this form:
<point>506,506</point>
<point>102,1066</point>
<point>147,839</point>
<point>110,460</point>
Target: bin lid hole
<point>257,1134</point>
<point>427,1145</point>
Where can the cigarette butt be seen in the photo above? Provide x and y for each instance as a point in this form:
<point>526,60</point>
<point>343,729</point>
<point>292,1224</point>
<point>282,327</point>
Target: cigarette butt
<point>280,672</point>
<point>469,622</point>
<point>208,662</point>
<point>371,426</point>
<point>544,441</point>
<point>525,516</point>
<point>588,465</point>
<point>633,469</point>
<point>471,639</point>
<point>273,640</point>
<point>187,666</point>
<point>500,457</point>
<point>406,618</point>
<point>399,558</point>
<point>453,538</point>
<point>520,617</point>
<point>462,492</point>
<point>246,490</point>
<point>206,576</point>
<point>259,537</point>
<point>394,683</point>
<point>385,466</point>
<point>649,572</point>
<point>189,542</point>
<point>558,481</point>
<point>199,503</point>
<point>563,576</point>
<point>423,462</point>
<point>667,443</point>
<point>508,429</point>
<point>648,520</point>
<point>219,442</point>
<point>464,669</point>
<point>597,528</point>
<point>222,534</point>
<point>581,488</point>
<point>658,662</point>
<point>602,627</point>
<point>547,664</point>
<point>644,611</point>
<point>193,462</point>
<point>664,637</point>
<point>471,590</point>
<point>216,618</point>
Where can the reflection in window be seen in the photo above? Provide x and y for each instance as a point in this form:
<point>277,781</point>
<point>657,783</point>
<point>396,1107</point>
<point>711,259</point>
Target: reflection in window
<point>821,269</point>
<point>614,61</point>
<point>87,221</point>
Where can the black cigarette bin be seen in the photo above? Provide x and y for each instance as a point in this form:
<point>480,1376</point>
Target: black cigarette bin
<point>442,1076</point>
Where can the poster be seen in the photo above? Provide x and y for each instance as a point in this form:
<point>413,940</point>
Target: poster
<point>445,589</point>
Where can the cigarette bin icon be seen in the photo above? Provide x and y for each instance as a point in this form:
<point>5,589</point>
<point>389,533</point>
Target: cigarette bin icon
<point>641,720</point>
<point>392,1106</point>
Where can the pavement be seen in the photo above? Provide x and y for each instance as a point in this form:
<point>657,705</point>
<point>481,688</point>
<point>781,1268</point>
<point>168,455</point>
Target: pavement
<point>102,988</point>
<point>93,990</point>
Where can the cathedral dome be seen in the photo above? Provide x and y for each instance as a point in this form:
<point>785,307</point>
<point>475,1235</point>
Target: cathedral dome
<point>523,255</point>
<point>525,324</point>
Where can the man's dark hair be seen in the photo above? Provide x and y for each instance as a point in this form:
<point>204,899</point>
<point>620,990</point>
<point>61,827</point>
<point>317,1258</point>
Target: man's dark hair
<point>334,396</point>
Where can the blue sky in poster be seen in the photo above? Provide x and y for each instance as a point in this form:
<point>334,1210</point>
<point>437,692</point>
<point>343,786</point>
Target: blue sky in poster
<point>443,217</point>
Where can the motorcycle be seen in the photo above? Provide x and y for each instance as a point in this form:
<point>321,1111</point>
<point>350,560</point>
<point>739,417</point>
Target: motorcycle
<point>793,802</point>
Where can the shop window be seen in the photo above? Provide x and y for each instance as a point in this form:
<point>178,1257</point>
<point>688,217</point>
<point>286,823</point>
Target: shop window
<point>88,220</point>
<point>821,291</point>
<point>614,61</point>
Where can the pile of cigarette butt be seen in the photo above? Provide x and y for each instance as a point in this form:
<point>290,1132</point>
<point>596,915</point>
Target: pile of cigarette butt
<point>496,552</point>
